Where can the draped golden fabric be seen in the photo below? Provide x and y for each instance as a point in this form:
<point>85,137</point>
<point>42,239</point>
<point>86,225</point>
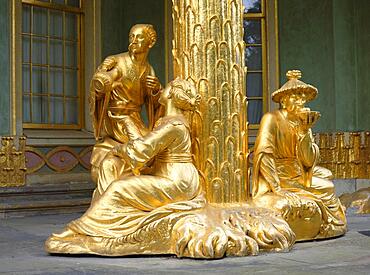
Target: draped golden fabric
<point>285,160</point>
<point>122,120</point>
<point>129,202</point>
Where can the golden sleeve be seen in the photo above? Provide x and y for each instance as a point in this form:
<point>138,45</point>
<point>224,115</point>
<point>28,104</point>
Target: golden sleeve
<point>307,150</point>
<point>265,171</point>
<point>140,151</point>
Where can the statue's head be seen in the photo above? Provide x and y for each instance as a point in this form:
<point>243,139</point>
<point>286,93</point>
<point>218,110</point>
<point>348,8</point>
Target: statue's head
<point>294,93</point>
<point>182,93</point>
<point>142,38</point>
<point>293,102</point>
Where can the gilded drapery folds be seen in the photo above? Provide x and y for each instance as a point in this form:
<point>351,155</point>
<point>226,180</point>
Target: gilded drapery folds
<point>285,172</point>
<point>120,87</point>
<point>186,187</point>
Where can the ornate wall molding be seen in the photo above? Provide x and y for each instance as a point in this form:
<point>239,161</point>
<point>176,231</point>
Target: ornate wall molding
<point>12,162</point>
<point>347,155</point>
<point>59,159</point>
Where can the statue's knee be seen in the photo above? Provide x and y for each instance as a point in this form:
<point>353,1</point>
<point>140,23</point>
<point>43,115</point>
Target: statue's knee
<point>322,184</point>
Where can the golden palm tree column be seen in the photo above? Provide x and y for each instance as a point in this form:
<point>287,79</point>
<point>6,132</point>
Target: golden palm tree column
<point>208,49</point>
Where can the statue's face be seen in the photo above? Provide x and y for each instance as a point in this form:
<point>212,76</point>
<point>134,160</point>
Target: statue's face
<point>139,40</point>
<point>294,102</point>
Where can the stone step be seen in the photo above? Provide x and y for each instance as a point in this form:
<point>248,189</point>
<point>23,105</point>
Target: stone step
<point>31,208</point>
<point>12,198</point>
<point>44,199</point>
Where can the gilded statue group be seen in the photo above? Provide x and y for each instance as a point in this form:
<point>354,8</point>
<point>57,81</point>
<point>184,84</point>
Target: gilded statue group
<point>149,197</point>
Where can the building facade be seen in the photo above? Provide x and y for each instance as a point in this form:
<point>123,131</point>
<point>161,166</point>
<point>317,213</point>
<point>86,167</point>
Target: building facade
<point>49,50</point>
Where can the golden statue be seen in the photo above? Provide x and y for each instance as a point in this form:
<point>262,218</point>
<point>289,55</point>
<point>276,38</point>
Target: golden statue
<point>122,84</point>
<point>153,199</point>
<point>160,208</point>
<point>285,175</point>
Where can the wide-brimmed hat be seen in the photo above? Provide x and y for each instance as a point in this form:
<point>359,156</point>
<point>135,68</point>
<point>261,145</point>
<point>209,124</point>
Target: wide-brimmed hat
<point>295,86</point>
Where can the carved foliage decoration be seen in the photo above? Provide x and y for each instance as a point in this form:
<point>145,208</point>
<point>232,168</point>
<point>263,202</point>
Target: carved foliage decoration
<point>12,162</point>
<point>347,155</point>
<point>208,50</point>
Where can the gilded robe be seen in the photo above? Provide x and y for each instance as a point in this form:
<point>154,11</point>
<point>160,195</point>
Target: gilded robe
<point>129,202</point>
<point>286,160</point>
<point>126,103</point>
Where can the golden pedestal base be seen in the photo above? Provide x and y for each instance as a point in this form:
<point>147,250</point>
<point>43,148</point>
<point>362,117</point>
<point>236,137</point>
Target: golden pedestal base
<point>210,232</point>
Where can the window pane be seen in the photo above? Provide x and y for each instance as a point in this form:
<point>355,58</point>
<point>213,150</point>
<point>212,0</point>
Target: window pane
<point>26,47</point>
<point>252,6</point>
<point>39,109</point>
<point>253,57</point>
<point>56,81</point>
<point>56,52</point>
<point>40,21</point>
<point>254,111</point>
<point>26,85</point>
<point>254,84</point>
<point>50,83</point>
<point>74,3</point>
<point>252,31</point>
<point>71,111</point>
<point>56,110</point>
<point>71,26</point>
<point>71,54</point>
<point>60,2</point>
<point>39,50</point>
<point>56,24</point>
<point>39,80</point>
<point>26,109</point>
<point>71,83</point>
<point>26,17</point>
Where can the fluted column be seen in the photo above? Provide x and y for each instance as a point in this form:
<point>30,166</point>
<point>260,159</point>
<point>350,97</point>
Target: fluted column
<point>208,50</point>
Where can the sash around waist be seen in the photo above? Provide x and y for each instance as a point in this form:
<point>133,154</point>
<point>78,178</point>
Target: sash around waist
<point>286,160</point>
<point>288,167</point>
<point>124,110</point>
<point>175,158</point>
<point>290,162</point>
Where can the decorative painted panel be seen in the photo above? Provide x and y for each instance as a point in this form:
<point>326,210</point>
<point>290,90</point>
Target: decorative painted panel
<point>59,159</point>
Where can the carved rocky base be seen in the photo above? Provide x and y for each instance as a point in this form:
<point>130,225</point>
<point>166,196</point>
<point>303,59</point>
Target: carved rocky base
<point>359,199</point>
<point>211,232</point>
<point>308,217</point>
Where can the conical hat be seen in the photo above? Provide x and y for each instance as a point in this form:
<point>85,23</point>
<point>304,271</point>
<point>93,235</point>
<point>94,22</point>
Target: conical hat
<point>295,86</point>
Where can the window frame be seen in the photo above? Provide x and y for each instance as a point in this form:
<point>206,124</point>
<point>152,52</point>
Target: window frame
<point>262,17</point>
<point>79,11</point>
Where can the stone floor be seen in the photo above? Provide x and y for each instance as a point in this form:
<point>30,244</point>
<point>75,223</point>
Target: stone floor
<point>21,252</point>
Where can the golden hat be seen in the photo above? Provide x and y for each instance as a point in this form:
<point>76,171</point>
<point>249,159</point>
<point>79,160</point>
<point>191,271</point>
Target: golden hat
<point>293,86</point>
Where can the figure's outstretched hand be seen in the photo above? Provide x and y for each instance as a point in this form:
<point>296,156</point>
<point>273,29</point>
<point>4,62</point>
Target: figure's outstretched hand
<point>152,83</point>
<point>291,197</point>
<point>117,85</point>
<point>307,119</point>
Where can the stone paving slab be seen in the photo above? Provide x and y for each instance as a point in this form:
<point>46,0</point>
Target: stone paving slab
<point>22,252</point>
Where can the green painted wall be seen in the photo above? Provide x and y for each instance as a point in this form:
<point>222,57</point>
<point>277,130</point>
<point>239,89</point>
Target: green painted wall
<point>362,23</point>
<point>125,14</point>
<point>4,68</point>
<point>329,41</point>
